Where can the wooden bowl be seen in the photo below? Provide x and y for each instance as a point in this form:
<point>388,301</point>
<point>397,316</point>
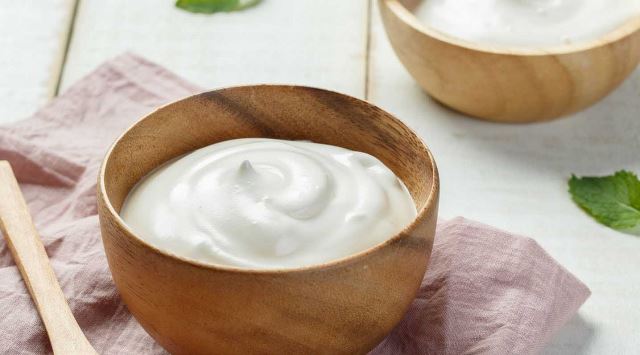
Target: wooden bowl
<point>341,307</point>
<point>510,84</point>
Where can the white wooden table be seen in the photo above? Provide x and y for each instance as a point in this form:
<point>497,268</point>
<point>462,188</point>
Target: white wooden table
<point>513,177</point>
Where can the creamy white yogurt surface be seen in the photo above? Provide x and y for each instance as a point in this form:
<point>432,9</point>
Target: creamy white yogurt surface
<point>264,203</point>
<point>526,23</point>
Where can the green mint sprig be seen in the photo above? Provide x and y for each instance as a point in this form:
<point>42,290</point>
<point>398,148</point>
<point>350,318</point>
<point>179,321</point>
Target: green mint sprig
<point>612,200</point>
<point>211,6</point>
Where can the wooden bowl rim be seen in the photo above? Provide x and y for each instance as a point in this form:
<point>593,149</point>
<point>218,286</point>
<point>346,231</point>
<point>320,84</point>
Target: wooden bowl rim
<point>422,215</point>
<point>620,33</point>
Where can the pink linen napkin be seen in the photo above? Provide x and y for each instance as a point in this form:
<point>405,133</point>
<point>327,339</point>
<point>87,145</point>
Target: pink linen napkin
<point>486,291</point>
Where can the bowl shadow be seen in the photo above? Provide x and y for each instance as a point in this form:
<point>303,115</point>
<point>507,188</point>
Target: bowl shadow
<point>599,140</point>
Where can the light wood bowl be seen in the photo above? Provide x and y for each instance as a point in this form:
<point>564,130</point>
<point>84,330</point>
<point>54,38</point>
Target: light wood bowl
<point>341,307</point>
<point>510,84</point>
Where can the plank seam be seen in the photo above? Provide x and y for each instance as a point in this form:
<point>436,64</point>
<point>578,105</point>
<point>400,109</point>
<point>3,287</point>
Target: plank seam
<point>367,57</point>
<point>63,63</point>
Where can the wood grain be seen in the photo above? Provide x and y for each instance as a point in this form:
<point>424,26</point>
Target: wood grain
<point>22,238</point>
<point>342,307</point>
<point>510,85</point>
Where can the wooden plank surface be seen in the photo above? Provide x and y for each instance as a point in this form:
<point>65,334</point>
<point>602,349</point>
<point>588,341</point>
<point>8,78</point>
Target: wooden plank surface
<point>515,177</point>
<point>33,42</point>
<point>309,42</point>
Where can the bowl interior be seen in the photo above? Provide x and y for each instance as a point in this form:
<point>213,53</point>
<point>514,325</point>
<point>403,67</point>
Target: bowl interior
<point>404,9</point>
<point>345,306</point>
<point>283,112</point>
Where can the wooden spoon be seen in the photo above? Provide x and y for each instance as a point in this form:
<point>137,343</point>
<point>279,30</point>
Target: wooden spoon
<point>28,252</point>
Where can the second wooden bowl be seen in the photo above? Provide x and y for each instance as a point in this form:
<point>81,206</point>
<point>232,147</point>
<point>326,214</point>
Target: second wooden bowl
<point>510,84</point>
<point>341,307</point>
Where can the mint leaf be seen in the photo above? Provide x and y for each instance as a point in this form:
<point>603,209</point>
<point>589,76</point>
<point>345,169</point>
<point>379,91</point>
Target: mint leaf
<point>211,6</point>
<point>612,200</point>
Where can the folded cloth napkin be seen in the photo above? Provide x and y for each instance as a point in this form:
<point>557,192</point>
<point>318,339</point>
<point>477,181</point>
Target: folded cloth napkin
<point>486,291</point>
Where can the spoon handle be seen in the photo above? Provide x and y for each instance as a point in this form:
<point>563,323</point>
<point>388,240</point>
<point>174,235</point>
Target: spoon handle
<point>28,252</point>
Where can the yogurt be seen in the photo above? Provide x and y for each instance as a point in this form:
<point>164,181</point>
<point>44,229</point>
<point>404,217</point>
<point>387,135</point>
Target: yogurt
<point>265,203</point>
<point>527,23</point>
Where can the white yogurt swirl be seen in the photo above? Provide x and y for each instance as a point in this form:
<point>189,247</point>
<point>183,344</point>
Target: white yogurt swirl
<point>266,203</point>
<point>527,23</point>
